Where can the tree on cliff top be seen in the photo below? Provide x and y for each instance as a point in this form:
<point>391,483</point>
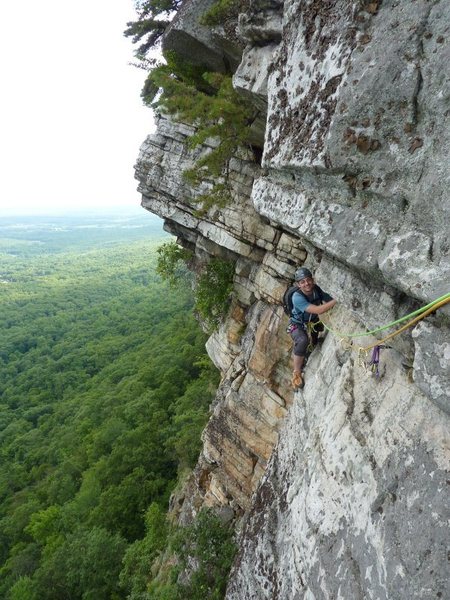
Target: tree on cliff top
<point>193,94</point>
<point>153,18</point>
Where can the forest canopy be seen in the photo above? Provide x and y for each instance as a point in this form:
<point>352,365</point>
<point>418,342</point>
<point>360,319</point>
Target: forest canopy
<point>105,387</point>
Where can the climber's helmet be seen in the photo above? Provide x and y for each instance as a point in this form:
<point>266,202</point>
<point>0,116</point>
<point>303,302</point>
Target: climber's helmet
<point>302,273</point>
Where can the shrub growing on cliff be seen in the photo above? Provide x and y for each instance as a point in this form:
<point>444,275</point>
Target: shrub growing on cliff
<point>208,544</point>
<point>213,291</point>
<point>140,555</point>
<point>213,288</point>
<point>171,263</point>
<point>223,10</point>
<point>197,564</point>
<point>155,15</point>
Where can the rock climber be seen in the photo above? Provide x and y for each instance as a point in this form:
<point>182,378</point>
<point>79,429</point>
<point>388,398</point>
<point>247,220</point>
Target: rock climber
<point>307,304</point>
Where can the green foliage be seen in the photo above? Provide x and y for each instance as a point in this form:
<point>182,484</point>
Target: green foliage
<point>153,19</point>
<point>44,524</point>
<point>23,589</point>
<point>213,291</point>
<point>222,10</point>
<point>85,565</point>
<point>191,562</point>
<point>171,263</point>
<point>209,543</point>
<point>203,552</point>
<point>105,387</point>
<point>177,77</point>
<point>140,555</point>
<point>188,422</point>
<point>220,115</point>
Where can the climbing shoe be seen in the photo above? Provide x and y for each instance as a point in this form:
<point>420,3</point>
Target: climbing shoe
<point>297,380</point>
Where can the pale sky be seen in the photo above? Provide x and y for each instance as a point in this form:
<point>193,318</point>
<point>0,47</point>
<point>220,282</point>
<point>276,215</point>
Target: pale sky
<point>71,116</point>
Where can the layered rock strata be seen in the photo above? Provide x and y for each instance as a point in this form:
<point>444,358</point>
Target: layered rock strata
<point>350,500</point>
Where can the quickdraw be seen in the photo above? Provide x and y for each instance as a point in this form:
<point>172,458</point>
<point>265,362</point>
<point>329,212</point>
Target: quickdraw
<point>374,361</point>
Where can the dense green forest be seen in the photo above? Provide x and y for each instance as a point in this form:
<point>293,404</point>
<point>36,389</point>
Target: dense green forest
<point>105,387</point>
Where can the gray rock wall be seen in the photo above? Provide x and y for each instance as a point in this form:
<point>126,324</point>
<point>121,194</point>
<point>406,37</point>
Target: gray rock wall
<point>354,503</point>
<point>358,122</point>
<point>341,489</point>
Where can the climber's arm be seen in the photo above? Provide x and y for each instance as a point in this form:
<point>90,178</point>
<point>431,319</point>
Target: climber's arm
<point>322,308</point>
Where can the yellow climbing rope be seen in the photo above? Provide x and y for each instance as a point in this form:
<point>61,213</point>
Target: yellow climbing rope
<point>432,305</point>
<point>421,314</point>
<point>310,329</point>
<point>418,315</point>
<point>435,305</point>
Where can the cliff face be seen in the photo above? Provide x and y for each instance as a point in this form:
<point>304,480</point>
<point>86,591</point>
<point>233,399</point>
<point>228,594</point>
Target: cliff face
<point>342,486</point>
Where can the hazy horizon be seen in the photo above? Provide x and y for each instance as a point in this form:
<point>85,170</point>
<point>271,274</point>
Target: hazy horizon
<point>100,210</point>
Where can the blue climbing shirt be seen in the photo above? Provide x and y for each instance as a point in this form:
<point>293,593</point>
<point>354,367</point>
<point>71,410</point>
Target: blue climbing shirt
<point>301,302</point>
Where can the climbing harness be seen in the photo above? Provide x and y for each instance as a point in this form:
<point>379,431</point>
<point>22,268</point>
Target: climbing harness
<point>309,328</point>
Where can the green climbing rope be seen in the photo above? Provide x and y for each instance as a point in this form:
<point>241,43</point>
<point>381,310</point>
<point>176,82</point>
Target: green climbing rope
<point>422,315</point>
<point>408,316</point>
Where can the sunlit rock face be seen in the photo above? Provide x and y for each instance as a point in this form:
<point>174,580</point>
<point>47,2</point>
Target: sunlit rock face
<point>342,488</point>
<point>354,502</point>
